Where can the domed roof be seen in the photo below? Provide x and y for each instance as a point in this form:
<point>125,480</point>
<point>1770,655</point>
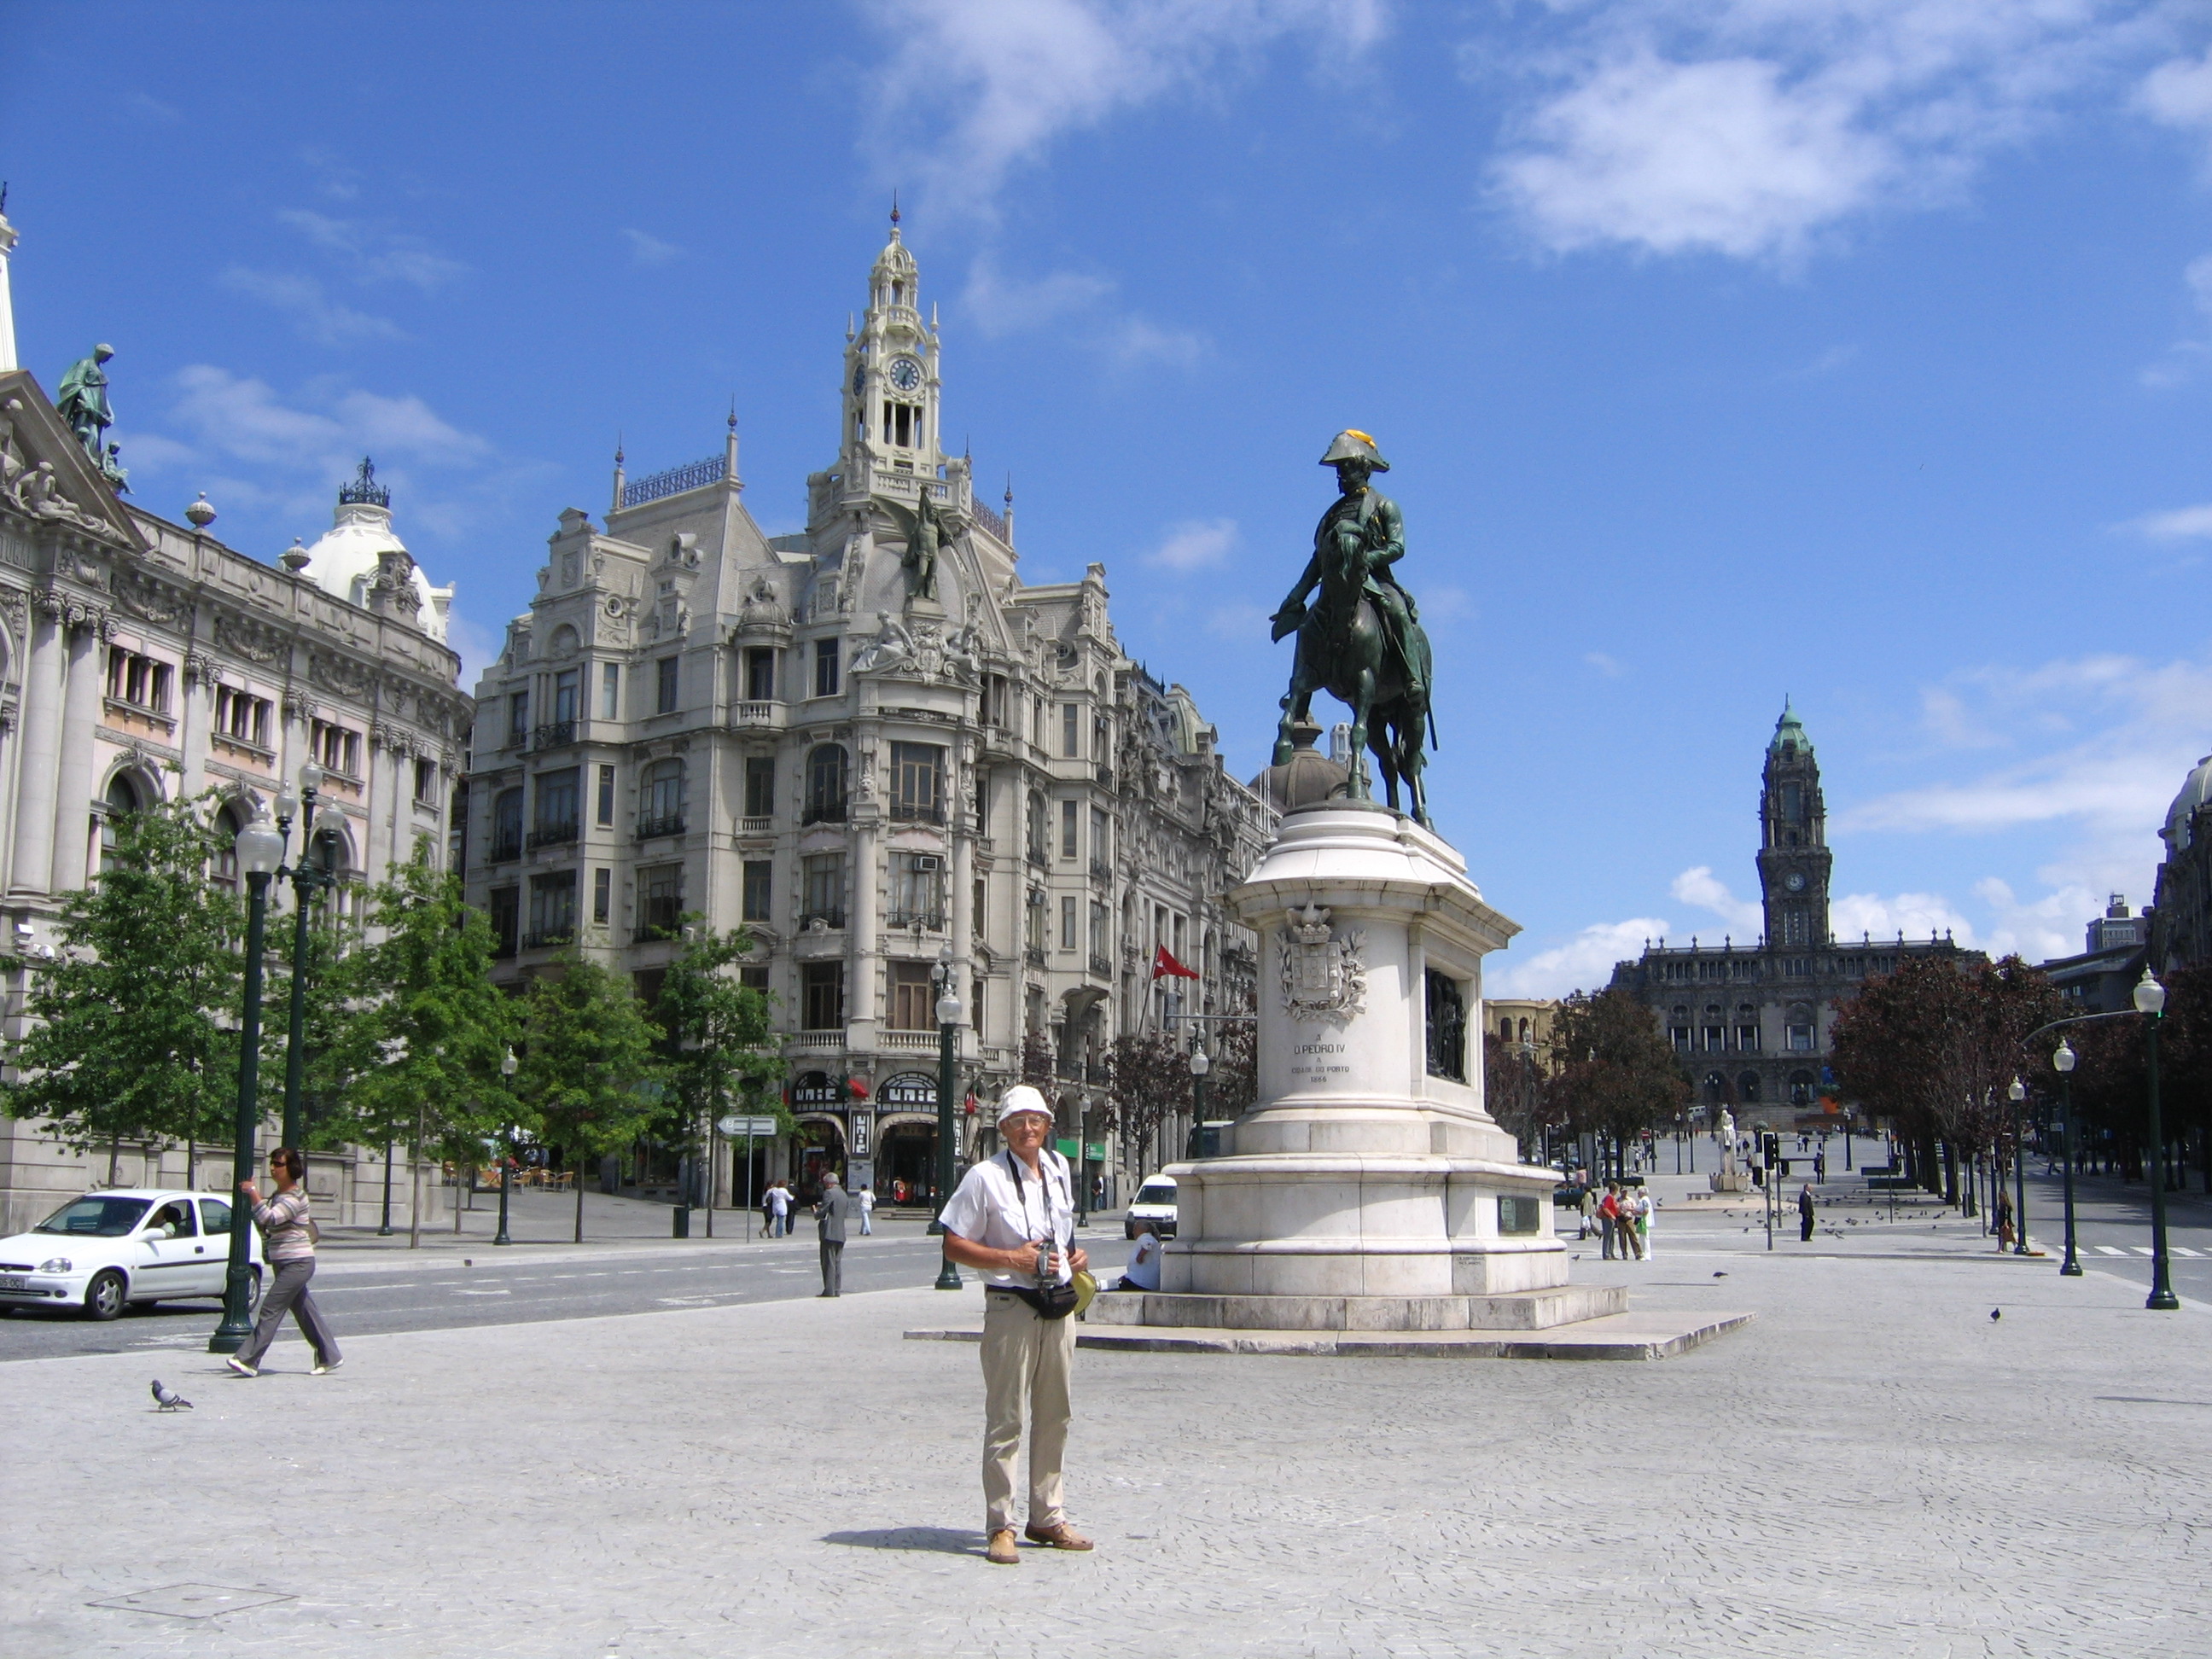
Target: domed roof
<point>1790,729</point>
<point>344,563</point>
<point>1309,778</point>
<point>2196,791</point>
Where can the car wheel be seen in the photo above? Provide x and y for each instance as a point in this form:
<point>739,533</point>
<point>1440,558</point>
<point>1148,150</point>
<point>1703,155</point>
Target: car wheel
<point>103,1296</point>
<point>1128,1230</point>
<point>253,1290</point>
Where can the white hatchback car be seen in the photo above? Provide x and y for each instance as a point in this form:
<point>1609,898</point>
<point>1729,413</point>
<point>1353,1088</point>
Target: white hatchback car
<point>129,1244</point>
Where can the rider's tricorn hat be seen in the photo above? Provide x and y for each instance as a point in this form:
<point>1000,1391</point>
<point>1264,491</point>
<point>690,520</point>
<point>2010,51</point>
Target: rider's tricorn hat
<point>1351,445</point>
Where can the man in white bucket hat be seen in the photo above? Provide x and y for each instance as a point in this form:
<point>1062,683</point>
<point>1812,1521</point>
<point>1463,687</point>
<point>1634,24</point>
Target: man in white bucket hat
<point>1013,1219</point>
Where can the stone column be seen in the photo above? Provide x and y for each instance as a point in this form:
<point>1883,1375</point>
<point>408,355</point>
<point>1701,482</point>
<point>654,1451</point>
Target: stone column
<point>960,913</point>
<point>72,832</point>
<point>41,748</point>
<point>862,999</point>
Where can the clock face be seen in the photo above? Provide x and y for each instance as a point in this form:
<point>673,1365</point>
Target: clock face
<point>1795,882</point>
<point>906,374</point>
<point>860,379</point>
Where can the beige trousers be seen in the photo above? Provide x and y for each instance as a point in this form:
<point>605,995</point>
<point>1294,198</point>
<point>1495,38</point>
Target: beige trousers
<point>1026,1361</point>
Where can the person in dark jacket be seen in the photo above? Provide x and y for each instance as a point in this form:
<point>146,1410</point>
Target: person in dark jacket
<point>1805,1213</point>
<point>829,1217</point>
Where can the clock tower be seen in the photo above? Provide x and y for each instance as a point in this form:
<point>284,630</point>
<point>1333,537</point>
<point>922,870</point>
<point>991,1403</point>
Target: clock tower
<point>1793,849</point>
<point>891,391</point>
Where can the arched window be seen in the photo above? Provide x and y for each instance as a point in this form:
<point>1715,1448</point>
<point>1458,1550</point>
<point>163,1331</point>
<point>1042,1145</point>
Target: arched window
<point>506,825</point>
<point>1801,1088</point>
<point>224,873</point>
<point>828,768</point>
<point>660,800</point>
<point>1748,1087</point>
<point>1524,1029</point>
<point>123,800</point>
<point>564,640</point>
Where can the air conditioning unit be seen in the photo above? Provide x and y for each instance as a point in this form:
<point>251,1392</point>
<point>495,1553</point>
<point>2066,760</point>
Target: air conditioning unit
<point>925,864</point>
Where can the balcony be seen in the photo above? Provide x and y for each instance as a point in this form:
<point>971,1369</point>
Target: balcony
<point>827,918</point>
<point>1034,955</point>
<point>667,825</point>
<point>824,812</point>
<point>932,922</point>
<point>1106,777</point>
<point>755,715</point>
<point>906,1040</point>
<point>552,834</point>
<point>658,918</point>
<point>502,946</point>
<point>554,734</point>
<point>550,939</point>
<point>505,849</point>
<point>1102,871</point>
<point>755,826</point>
<point>909,811</point>
<point>1037,856</point>
<point>828,1041</point>
<point>1101,968</point>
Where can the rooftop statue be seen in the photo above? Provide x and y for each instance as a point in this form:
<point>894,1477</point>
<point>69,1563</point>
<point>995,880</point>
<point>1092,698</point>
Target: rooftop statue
<point>1361,640</point>
<point>84,402</point>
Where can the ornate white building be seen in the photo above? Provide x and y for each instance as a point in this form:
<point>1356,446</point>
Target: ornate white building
<point>141,659</point>
<point>864,742</point>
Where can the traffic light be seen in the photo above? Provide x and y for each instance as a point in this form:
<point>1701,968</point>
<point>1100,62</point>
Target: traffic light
<point>1769,1150</point>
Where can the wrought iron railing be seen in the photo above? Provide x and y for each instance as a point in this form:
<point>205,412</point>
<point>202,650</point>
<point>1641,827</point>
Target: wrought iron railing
<point>828,918</point>
<point>553,835</point>
<point>668,824</point>
<point>505,849</point>
<point>917,812</point>
<point>675,481</point>
<point>1034,955</point>
<point>930,921</point>
<point>659,918</point>
<point>553,734</point>
<point>546,939</point>
<point>990,520</point>
<point>824,812</point>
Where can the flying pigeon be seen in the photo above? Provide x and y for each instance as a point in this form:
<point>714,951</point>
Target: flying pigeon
<point>1996,1313</point>
<point>168,1399</point>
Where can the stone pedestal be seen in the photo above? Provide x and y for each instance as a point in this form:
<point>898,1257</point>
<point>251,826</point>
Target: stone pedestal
<point>1369,1189</point>
<point>1729,1181</point>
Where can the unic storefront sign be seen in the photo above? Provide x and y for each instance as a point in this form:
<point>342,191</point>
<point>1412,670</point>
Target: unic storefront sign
<point>909,1089</point>
<point>817,1089</point>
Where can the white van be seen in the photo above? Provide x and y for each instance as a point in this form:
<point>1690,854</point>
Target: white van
<point>1155,1202</point>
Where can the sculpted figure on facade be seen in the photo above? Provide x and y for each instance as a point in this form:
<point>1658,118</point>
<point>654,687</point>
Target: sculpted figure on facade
<point>892,647</point>
<point>82,401</point>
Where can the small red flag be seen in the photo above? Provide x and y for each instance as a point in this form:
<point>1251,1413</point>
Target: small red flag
<point>1164,964</point>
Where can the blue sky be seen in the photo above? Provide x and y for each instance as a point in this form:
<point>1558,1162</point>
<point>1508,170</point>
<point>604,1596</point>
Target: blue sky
<point>1723,348</point>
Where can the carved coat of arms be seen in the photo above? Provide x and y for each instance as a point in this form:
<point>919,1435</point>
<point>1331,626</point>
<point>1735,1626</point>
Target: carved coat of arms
<point>1324,973</point>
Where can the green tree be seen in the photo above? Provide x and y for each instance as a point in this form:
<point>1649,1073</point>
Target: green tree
<point>418,1059</point>
<point>588,1076</point>
<point>132,1028</point>
<point>1612,1073</point>
<point>720,1043</point>
<point>1149,1075</point>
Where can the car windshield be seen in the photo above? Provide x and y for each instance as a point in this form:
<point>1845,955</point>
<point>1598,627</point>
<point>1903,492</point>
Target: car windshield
<point>96,1217</point>
<point>1156,1194</point>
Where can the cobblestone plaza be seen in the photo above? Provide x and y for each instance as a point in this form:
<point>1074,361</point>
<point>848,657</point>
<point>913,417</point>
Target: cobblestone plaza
<point>1873,1466</point>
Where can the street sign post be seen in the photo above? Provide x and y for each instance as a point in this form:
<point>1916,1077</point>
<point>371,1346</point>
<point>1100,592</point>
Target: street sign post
<point>734,1125</point>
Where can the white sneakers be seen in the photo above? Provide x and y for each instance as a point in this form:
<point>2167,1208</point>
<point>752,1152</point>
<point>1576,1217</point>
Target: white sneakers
<point>241,1367</point>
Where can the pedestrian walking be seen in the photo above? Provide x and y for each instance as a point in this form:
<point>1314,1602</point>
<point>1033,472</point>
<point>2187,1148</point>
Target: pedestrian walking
<point>288,1244</point>
<point>2004,1219</point>
<point>1805,1213</point>
<point>1014,1219</point>
<point>865,1201</point>
<point>768,1211</point>
<point>1632,1240</point>
<point>1588,1208</point>
<point>830,1212</point>
<point>1647,1207</point>
<point>779,1210</point>
<point>1608,1215</point>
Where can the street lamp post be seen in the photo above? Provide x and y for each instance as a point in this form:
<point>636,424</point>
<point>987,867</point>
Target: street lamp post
<point>942,976</point>
<point>2018,1093</point>
<point>2063,1063</point>
<point>384,1224</point>
<point>307,878</point>
<point>260,848</point>
<point>1200,1064</point>
<point>2150,1002</point>
<point>507,1066</point>
<point>1082,1179</point>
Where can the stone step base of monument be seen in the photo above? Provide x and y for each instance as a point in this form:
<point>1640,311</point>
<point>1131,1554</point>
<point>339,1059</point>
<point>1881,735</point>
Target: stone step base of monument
<point>1617,1336</point>
<point>1504,1311</point>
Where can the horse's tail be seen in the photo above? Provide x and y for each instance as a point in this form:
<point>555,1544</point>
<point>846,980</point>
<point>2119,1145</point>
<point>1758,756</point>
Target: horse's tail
<point>1431,711</point>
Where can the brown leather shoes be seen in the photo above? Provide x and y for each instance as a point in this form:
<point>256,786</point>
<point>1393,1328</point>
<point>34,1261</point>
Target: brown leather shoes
<point>1001,1550</point>
<point>1060,1536</point>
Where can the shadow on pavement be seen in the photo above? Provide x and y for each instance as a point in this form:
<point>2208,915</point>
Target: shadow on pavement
<point>945,1541</point>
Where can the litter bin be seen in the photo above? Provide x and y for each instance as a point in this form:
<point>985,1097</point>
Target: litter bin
<point>683,1214</point>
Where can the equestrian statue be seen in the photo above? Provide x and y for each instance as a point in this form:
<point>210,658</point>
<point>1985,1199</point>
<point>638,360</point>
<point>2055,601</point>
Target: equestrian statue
<point>1360,640</point>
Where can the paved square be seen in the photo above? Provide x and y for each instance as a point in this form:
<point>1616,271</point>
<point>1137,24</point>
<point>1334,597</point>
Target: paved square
<point>1873,1466</point>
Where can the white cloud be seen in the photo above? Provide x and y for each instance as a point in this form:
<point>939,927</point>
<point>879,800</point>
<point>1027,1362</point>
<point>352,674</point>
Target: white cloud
<point>1918,915</point>
<point>2178,93</point>
<point>1132,342</point>
<point>974,88</point>
<point>1707,891</point>
<point>1081,304</point>
<point>1194,544</point>
<point>1582,964</point>
<point>2177,525</point>
<point>374,255</point>
<point>2051,925</point>
<point>1604,665</point>
<point>318,317</point>
<point>648,250</point>
<point>1753,128</point>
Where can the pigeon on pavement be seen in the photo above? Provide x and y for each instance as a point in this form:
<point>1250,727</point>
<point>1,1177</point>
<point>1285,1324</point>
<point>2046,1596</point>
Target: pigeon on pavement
<point>1996,1313</point>
<point>168,1399</point>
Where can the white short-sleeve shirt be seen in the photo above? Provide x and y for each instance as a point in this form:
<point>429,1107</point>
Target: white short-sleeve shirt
<point>990,1209</point>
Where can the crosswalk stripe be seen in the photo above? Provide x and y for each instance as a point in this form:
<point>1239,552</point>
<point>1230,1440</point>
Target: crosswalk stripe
<point>2183,1249</point>
<point>2109,1250</point>
<point>2140,1249</point>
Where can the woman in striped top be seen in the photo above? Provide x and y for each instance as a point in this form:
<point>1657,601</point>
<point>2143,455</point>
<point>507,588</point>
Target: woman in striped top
<point>287,1240</point>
